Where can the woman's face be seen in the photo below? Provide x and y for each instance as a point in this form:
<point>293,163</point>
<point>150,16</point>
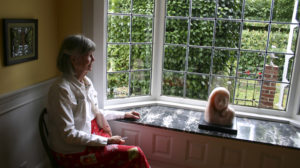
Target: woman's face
<point>221,101</point>
<point>83,64</point>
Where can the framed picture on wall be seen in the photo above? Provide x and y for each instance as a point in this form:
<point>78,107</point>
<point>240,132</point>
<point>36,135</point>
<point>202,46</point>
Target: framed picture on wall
<point>20,39</point>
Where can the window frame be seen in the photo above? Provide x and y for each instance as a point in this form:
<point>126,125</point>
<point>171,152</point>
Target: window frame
<point>94,26</point>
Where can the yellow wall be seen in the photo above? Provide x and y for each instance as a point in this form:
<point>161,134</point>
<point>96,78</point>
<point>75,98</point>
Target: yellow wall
<point>56,19</point>
<point>70,17</point>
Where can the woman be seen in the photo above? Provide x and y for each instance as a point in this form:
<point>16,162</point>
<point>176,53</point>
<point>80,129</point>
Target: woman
<point>79,134</point>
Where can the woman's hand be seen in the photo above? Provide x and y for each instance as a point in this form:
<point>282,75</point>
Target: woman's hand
<point>132,115</point>
<point>115,140</point>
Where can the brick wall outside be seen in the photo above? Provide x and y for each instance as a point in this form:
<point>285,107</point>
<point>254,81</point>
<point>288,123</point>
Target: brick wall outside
<point>269,88</point>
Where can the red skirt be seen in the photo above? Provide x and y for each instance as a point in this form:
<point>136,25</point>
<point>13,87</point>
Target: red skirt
<point>109,156</point>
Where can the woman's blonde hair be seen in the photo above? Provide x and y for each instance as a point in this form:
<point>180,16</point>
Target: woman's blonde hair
<point>74,45</point>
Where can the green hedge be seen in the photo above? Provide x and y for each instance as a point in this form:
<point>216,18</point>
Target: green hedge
<point>199,61</point>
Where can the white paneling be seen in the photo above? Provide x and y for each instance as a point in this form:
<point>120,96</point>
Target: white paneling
<point>132,135</point>
<point>172,149</point>
<point>20,141</point>
<point>231,157</point>
<point>162,146</point>
<point>158,164</point>
<point>13,101</point>
<point>196,152</point>
<point>270,161</point>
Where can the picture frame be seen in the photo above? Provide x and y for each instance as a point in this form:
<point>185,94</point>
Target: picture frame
<point>20,39</point>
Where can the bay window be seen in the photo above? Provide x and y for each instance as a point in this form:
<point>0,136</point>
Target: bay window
<point>178,51</point>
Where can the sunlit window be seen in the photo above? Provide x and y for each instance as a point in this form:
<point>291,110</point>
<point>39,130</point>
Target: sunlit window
<point>247,46</point>
<point>129,47</point>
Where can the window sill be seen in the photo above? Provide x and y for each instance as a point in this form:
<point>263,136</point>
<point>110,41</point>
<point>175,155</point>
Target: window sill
<point>268,130</point>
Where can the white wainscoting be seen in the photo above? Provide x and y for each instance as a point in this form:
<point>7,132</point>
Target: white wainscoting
<point>20,144</point>
<point>172,149</point>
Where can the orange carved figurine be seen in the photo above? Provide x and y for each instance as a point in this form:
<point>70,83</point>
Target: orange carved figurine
<point>217,110</point>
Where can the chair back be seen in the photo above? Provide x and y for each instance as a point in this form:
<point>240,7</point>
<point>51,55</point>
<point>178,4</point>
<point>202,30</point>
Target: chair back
<point>44,134</point>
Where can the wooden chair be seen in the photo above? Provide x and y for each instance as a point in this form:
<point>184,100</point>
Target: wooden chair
<point>44,134</point>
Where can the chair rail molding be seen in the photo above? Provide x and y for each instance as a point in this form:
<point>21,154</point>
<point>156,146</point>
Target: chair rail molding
<point>16,99</point>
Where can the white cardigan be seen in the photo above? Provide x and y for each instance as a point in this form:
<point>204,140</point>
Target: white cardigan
<point>70,115</point>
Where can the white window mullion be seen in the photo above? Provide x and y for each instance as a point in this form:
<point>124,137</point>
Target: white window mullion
<point>293,106</point>
<point>93,19</point>
<point>159,26</point>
